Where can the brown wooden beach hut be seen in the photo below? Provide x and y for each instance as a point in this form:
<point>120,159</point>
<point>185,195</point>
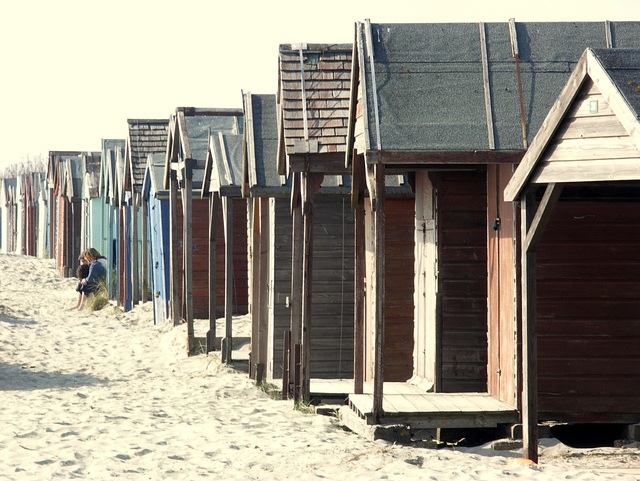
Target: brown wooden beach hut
<point>455,107</point>
<point>312,107</point>
<point>313,110</point>
<point>64,175</point>
<point>31,187</point>
<point>271,242</point>
<point>578,187</point>
<point>184,168</point>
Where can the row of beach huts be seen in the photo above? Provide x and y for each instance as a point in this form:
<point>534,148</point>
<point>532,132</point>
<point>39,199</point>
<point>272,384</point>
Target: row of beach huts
<point>438,222</point>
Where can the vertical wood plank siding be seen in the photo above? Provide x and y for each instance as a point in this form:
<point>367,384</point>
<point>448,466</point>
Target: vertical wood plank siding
<point>200,237</point>
<point>462,207</point>
<point>588,273</point>
<point>332,307</point>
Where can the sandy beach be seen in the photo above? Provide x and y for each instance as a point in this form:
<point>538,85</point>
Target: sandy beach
<point>102,395</point>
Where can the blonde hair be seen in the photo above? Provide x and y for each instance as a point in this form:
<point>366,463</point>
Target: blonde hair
<point>92,253</point>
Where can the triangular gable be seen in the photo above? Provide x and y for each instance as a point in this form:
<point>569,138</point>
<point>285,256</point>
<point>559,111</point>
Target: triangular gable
<point>224,164</point>
<point>592,133</point>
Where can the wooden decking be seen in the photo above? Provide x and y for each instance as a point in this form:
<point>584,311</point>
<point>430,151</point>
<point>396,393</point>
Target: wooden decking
<point>408,404</point>
<point>405,403</point>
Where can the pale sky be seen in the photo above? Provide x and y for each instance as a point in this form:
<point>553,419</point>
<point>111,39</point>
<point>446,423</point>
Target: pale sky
<point>73,72</point>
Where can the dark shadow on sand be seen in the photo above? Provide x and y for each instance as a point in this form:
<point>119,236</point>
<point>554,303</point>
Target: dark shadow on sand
<point>7,315</point>
<point>27,378</point>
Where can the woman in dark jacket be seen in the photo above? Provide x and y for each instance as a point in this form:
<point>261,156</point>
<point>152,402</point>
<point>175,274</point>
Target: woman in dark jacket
<point>97,276</point>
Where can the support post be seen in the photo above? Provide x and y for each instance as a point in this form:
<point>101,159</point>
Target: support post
<point>359,276</point>
<point>286,358</point>
<point>227,206</point>
<point>135,283</point>
<point>187,252</point>
<point>213,225</point>
<point>254,281</point>
<point>145,251</point>
<point>296,270</point>
<point>379,287</point>
<point>297,372</point>
<point>263,299</point>
<point>529,341</point>
<point>309,184</point>
<point>174,300</point>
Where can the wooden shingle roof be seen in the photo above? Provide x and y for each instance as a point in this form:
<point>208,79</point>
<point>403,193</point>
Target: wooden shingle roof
<point>145,136</point>
<point>313,106</point>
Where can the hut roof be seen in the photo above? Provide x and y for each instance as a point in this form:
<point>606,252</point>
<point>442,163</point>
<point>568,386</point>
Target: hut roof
<point>56,158</point>
<point>223,169</point>
<point>153,179</point>
<point>189,137</point>
<point>261,147</point>
<point>313,105</point>
<point>8,191</point>
<point>260,169</point>
<point>93,163</point>
<point>615,74</point>
<point>454,87</point>
<point>145,136</point>
<point>108,165</point>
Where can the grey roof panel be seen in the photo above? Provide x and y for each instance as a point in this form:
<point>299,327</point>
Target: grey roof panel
<point>265,135</point>
<point>199,126</point>
<point>429,80</point>
<point>623,67</point>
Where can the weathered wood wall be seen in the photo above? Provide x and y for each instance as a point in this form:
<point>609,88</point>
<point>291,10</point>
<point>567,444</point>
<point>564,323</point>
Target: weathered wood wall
<point>399,286</point>
<point>502,222</point>
<point>332,289</point>
<point>462,254</point>
<point>159,240</point>
<point>588,301</point>
<point>200,237</point>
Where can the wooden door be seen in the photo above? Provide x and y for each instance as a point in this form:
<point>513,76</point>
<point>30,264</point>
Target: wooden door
<point>426,272</point>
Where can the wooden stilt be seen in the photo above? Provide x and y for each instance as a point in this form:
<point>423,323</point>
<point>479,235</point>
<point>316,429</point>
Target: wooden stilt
<point>213,225</point>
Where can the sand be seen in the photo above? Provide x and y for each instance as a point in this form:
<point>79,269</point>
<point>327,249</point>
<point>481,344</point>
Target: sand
<point>106,394</point>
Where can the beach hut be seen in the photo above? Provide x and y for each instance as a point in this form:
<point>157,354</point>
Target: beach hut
<point>93,227</point>
<point>144,137</point>
<point>64,175</point>
<point>156,198</point>
<point>454,106</point>
<point>578,188</point>
<point>191,295</point>
<point>42,247</point>
<point>313,111</point>
<point>111,150</point>
<point>32,184</point>
<point>8,215</point>
<point>270,241</point>
<point>20,214</point>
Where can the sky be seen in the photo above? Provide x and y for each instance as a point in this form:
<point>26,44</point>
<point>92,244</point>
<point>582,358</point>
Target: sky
<point>73,72</point>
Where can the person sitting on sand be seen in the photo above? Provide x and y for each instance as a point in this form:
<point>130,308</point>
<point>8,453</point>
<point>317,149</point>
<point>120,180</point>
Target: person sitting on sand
<point>96,280</point>
<point>81,272</point>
